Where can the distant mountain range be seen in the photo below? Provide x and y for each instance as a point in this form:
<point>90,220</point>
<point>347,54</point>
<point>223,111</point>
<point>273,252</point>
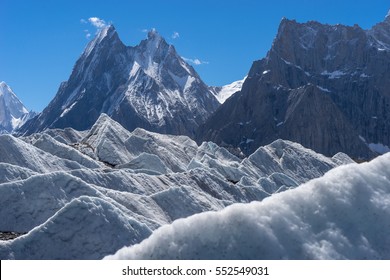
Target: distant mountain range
<point>148,86</point>
<point>324,86</point>
<point>13,113</point>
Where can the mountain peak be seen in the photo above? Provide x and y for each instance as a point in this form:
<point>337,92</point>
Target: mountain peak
<point>154,45</point>
<point>107,33</point>
<point>153,34</point>
<point>284,21</point>
<point>5,89</point>
<point>108,30</point>
<point>155,39</point>
<point>148,85</point>
<point>12,111</point>
<point>3,86</point>
<point>10,97</point>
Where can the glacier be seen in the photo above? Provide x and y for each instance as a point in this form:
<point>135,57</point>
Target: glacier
<point>342,215</point>
<point>87,194</point>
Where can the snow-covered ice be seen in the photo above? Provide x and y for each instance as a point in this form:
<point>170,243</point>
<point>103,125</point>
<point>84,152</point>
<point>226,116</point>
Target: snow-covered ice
<point>343,215</point>
<point>16,152</point>
<point>86,228</point>
<point>115,177</point>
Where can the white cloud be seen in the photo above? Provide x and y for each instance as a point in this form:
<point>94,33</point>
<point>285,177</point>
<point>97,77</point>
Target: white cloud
<point>175,35</point>
<point>97,22</point>
<point>87,33</point>
<point>153,30</point>
<point>195,61</point>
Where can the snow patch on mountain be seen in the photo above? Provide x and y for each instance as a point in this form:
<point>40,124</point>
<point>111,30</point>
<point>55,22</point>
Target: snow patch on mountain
<point>224,92</point>
<point>334,75</point>
<point>379,148</point>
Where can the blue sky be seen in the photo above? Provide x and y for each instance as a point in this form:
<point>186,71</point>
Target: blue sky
<point>41,40</point>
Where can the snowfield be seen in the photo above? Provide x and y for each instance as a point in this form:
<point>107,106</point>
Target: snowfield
<point>343,215</point>
<point>85,195</point>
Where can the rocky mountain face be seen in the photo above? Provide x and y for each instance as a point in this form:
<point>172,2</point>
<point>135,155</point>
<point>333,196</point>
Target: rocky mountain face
<point>13,113</point>
<point>324,86</point>
<point>148,86</point>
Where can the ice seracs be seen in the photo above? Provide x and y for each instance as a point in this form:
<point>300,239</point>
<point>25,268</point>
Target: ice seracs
<point>342,215</point>
<point>78,231</point>
<point>125,185</point>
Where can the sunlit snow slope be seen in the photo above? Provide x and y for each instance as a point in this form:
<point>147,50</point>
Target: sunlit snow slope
<point>224,92</point>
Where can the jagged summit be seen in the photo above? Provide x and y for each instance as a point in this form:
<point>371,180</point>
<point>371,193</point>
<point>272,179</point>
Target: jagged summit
<point>12,111</point>
<point>5,89</point>
<point>107,31</point>
<point>148,86</point>
<point>3,86</point>
<point>107,36</point>
<point>11,101</point>
<point>153,34</point>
